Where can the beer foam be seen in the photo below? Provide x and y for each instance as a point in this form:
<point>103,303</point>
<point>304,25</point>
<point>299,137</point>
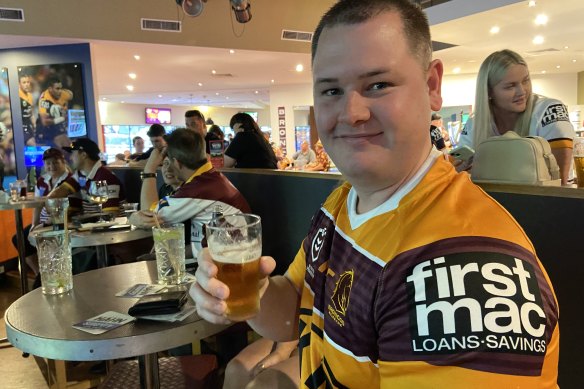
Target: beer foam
<point>243,252</point>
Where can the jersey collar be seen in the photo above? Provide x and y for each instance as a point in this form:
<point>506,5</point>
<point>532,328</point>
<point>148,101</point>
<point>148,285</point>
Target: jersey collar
<point>203,169</point>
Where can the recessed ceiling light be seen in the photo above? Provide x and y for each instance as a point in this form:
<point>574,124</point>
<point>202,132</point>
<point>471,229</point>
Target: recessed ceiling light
<point>130,87</point>
<point>272,81</point>
<point>231,51</point>
<point>122,101</point>
<point>216,93</point>
<point>137,57</point>
<point>541,20</point>
<point>558,66</point>
<point>495,30</point>
<point>573,60</point>
<point>299,67</point>
<point>543,71</point>
<point>456,70</point>
<point>256,92</point>
<point>531,3</point>
<point>214,71</point>
<point>103,98</point>
<point>538,40</point>
<point>566,47</point>
<point>226,97</point>
<point>159,95</point>
<point>132,75</point>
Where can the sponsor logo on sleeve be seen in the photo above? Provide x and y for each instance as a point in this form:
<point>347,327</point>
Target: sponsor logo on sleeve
<point>473,301</point>
<point>555,113</point>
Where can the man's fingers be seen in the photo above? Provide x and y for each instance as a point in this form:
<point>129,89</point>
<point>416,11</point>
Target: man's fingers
<point>267,266</point>
<point>208,307</point>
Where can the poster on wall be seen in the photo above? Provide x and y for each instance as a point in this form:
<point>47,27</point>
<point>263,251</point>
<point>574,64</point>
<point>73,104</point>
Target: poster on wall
<point>51,104</point>
<point>7,160</point>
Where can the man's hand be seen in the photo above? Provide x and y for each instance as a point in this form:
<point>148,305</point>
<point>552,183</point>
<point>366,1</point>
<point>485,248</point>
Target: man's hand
<point>143,219</point>
<point>154,160</point>
<point>210,294</point>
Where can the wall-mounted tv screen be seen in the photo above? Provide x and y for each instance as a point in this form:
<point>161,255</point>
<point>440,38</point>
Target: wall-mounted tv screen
<point>157,115</point>
<point>33,155</point>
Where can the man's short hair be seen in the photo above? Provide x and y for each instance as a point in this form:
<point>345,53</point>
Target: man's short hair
<point>156,130</point>
<point>195,113</point>
<point>436,116</point>
<point>416,28</point>
<point>187,147</point>
<point>53,80</point>
<point>134,139</point>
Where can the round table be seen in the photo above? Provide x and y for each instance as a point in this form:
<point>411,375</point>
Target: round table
<point>17,207</point>
<point>42,324</point>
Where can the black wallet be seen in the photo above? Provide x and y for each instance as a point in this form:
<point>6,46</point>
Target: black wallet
<point>159,304</point>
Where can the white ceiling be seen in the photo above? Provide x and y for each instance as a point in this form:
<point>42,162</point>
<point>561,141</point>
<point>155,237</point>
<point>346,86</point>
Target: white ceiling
<point>175,71</point>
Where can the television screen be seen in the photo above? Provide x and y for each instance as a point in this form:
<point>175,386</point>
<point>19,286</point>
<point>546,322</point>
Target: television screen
<point>157,115</point>
<point>33,155</point>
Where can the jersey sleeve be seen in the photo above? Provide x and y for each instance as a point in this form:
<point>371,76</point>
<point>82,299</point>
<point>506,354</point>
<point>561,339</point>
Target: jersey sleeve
<point>554,124</point>
<point>236,147</point>
<point>297,269</point>
<point>177,210</point>
<point>466,312</point>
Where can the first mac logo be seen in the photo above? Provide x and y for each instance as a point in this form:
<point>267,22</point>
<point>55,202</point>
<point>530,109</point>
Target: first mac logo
<point>475,301</point>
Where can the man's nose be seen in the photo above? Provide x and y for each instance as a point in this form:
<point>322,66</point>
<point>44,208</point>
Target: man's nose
<point>355,109</point>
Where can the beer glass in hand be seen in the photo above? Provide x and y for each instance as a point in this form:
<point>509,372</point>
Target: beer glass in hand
<point>235,245</point>
<point>98,195</point>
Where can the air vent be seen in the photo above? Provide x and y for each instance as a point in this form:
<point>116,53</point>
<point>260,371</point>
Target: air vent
<point>430,3</point>
<point>161,25</point>
<point>12,14</point>
<point>537,53</point>
<point>437,46</point>
<point>223,75</point>
<point>289,35</point>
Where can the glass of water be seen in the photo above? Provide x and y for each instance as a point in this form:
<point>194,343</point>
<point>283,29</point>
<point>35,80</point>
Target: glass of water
<point>169,244</point>
<point>54,253</point>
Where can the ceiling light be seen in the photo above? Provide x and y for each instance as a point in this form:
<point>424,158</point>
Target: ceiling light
<point>231,51</point>
<point>226,97</point>
<point>200,84</point>
<point>495,30</point>
<point>531,3</point>
<point>213,71</point>
<point>132,76</point>
<point>566,47</point>
<point>456,70</point>
<point>216,93</point>
<point>256,92</point>
<point>558,66</point>
<point>130,87</point>
<point>122,101</point>
<point>137,57</point>
<point>159,95</point>
<point>299,67</point>
<point>103,98</point>
<point>541,20</point>
<point>543,71</point>
<point>272,81</point>
<point>573,60</point>
<point>538,40</point>
<point>241,9</point>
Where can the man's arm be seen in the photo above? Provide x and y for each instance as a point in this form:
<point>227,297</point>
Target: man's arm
<point>149,192</point>
<point>564,158</point>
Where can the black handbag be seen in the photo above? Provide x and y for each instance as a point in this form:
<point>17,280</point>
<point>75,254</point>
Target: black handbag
<point>159,304</point>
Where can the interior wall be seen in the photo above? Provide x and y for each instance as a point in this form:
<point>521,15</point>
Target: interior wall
<point>580,88</point>
<point>47,55</point>
<point>134,114</point>
<point>288,96</point>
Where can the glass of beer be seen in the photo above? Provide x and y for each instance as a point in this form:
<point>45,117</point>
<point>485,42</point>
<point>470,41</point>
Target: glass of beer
<point>235,244</point>
<point>579,160</point>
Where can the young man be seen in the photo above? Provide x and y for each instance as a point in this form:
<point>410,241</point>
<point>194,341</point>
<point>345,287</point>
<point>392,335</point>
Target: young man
<point>51,128</point>
<point>138,144</point>
<point>87,167</point>
<point>194,202</point>
<point>24,89</point>
<point>410,276</point>
<point>156,134</point>
<point>195,121</point>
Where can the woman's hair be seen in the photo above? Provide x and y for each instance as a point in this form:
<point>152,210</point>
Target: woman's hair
<point>491,72</point>
<point>249,125</point>
<point>215,129</point>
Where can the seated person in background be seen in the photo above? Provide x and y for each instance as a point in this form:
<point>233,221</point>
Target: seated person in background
<point>264,364</point>
<point>303,157</point>
<point>249,148</point>
<point>505,102</point>
<point>138,144</point>
<point>283,160</point>
<point>156,134</point>
<point>119,161</point>
<point>127,155</point>
<point>439,124</point>
<point>214,133</point>
<point>56,172</point>
<point>385,291</point>
<point>87,168</point>
<point>322,162</point>
<point>171,181</point>
<point>194,202</point>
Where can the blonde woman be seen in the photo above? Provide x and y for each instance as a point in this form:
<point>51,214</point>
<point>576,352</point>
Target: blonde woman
<point>505,102</point>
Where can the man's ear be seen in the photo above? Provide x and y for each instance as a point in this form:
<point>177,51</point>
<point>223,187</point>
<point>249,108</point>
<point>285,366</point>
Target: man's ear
<point>434,82</point>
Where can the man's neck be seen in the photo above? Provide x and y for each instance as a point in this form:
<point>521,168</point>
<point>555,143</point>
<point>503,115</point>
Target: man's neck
<point>86,167</point>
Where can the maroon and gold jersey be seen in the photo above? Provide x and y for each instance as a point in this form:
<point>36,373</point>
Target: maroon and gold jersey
<point>46,101</point>
<point>25,107</point>
<point>438,287</point>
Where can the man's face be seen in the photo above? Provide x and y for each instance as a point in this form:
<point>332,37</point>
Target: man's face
<point>168,174</point>
<point>304,147</point>
<point>372,101</point>
<point>139,145</point>
<point>196,124</point>
<point>55,90</point>
<point>158,142</point>
<point>25,84</point>
<point>76,158</point>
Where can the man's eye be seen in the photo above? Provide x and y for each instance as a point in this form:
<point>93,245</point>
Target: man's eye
<point>379,86</point>
<point>331,92</point>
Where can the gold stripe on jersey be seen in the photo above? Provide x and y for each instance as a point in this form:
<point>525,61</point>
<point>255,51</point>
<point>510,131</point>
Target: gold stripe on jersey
<point>561,143</point>
<point>63,101</point>
<point>25,96</point>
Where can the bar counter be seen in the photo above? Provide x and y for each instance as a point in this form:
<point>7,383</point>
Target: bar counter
<point>552,217</point>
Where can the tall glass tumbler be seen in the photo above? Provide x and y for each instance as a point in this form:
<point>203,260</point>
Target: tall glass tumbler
<point>169,244</point>
<point>235,244</point>
<point>57,209</point>
<point>54,253</point>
